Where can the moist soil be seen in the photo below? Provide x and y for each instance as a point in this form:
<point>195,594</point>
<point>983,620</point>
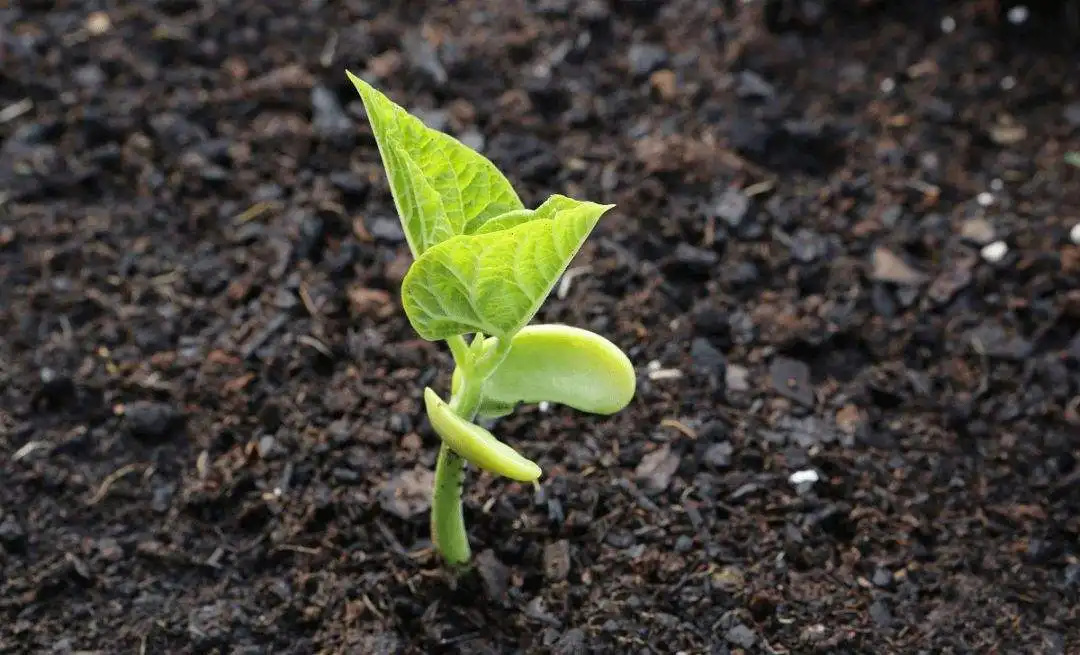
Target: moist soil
<point>840,261</point>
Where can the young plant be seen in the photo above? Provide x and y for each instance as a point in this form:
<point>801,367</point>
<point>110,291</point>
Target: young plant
<point>482,266</point>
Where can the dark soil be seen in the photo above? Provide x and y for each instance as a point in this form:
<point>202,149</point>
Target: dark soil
<point>210,400</point>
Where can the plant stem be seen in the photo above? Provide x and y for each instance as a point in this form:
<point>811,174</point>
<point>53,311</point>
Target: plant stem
<point>447,514</point>
<point>448,532</point>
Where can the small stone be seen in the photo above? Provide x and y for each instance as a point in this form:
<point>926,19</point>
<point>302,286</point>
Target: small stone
<point>791,378</point>
<point>408,494</point>
<point>349,183</point>
<point>1074,234</point>
<point>732,206</point>
<point>268,447</point>
<point>644,58</point>
<point>978,231</point>
<point>557,560</point>
<point>387,229</point>
<point>743,330</point>
<point>494,574</point>
<point>423,56</point>
<point>994,252</point>
<point>657,468</point>
<point>883,578</point>
<point>881,614</point>
<point>152,420</point>
<point>807,476</point>
<point>807,246</point>
<point>741,636</point>
<point>328,118</point>
<point>707,360</point>
<point>89,76</point>
<point>718,455</point>
<point>472,139</point>
<point>993,340</point>
<point>694,259</point>
<point>110,549</point>
<point>737,378</point>
<point>751,85</point>
<point>888,267</point>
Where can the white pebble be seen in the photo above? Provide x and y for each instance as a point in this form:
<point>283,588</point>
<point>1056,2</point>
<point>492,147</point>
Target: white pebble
<point>801,477</point>
<point>888,85</point>
<point>996,184</point>
<point>985,199</point>
<point>948,25</point>
<point>665,374</point>
<point>544,406</point>
<point>1008,83</point>
<point>994,252</point>
<point>1074,234</point>
<point>1018,15</point>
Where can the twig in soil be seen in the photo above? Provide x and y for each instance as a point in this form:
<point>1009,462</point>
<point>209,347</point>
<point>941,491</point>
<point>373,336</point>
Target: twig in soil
<point>28,448</point>
<point>110,480</point>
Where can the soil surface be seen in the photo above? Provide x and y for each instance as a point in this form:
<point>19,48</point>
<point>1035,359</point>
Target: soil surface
<point>840,261</point>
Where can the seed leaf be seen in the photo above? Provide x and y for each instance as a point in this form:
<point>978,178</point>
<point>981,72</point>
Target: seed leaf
<point>441,187</point>
<point>559,364</point>
<point>495,282</point>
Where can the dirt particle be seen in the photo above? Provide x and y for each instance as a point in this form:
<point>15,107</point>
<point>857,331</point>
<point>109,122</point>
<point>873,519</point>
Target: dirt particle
<point>657,468</point>
<point>494,574</point>
<point>152,420</point>
<point>741,636</point>
<point>888,267</point>
<point>407,494</point>
<point>557,560</point>
<point>791,379</point>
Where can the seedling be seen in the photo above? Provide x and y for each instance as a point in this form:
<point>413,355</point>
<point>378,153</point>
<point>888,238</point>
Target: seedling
<point>482,266</point>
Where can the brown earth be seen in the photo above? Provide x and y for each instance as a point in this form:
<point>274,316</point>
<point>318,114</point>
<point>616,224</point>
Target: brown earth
<point>210,401</point>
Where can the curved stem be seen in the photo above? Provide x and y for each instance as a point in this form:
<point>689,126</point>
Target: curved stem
<point>448,532</point>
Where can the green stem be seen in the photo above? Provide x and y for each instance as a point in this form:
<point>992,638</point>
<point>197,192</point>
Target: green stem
<point>447,514</point>
<point>448,532</point>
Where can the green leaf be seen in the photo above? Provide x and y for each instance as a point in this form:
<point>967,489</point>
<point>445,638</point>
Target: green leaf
<point>559,364</point>
<point>441,187</point>
<point>496,281</point>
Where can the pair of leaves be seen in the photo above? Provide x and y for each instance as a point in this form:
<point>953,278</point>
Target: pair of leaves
<point>554,363</point>
<point>484,263</point>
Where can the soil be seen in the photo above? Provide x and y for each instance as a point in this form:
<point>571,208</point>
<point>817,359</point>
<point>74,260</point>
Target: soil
<point>840,260</point>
